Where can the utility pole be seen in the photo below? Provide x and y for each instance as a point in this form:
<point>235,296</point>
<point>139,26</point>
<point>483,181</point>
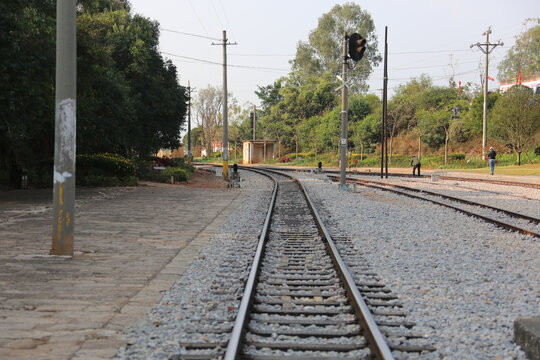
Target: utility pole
<point>384,149</point>
<point>65,129</point>
<point>254,123</point>
<point>225,108</point>
<point>486,51</point>
<point>344,101</point>
<point>190,156</point>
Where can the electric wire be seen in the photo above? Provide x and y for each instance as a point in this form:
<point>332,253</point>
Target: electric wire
<point>189,34</point>
<point>229,65</point>
<point>198,18</point>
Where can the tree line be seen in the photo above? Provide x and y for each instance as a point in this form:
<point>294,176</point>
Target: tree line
<point>302,110</point>
<point>129,100</point>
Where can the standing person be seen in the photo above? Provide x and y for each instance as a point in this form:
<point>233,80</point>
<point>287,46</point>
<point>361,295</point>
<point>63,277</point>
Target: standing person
<point>491,156</point>
<point>415,163</point>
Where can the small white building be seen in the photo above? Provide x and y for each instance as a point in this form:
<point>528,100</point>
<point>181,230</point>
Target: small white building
<point>256,151</point>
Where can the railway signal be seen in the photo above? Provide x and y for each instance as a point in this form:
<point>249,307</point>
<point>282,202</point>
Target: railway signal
<point>357,46</point>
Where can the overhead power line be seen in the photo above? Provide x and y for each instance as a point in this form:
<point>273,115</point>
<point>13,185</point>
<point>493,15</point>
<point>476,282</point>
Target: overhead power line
<point>230,65</point>
<point>428,51</point>
<point>185,33</point>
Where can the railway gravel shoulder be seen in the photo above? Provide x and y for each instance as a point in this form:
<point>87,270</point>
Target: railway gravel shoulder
<point>466,280</point>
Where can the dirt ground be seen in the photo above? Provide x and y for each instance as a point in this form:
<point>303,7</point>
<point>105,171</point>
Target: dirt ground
<point>205,179</point>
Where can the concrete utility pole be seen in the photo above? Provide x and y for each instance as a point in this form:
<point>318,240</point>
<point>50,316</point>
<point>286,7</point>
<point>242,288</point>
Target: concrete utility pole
<point>344,103</point>
<point>190,155</point>
<point>225,108</point>
<point>254,123</point>
<point>65,129</point>
<point>384,149</point>
<point>486,51</point>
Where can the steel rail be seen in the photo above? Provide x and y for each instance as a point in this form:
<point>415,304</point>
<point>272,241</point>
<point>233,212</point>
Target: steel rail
<point>377,342</point>
<point>443,177</point>
<point>243,310</point>
<point>495,222</point>
<point>463,201</point>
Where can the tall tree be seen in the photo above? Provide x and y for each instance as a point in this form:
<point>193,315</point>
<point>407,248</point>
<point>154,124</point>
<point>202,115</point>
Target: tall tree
<point>524,56</point>
<point>128,96</point>
<point>323,51</point>
<point>208,107</point>
<point>516,119</point>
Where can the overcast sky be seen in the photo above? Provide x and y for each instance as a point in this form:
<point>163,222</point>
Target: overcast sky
<point>424,36</point>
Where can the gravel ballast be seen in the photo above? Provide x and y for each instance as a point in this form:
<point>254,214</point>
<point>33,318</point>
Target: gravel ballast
<point>464,278</point>
<point>461,278</point>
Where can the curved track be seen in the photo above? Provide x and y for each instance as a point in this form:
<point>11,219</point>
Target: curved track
<point>307,297</point>
<point>500,217</point>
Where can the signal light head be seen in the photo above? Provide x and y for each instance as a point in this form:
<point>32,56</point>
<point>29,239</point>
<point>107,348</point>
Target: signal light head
<point>357,46</point>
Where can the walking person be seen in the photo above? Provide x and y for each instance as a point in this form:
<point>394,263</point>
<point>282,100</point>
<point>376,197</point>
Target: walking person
<point>491,156</point>
<point>415,163</point>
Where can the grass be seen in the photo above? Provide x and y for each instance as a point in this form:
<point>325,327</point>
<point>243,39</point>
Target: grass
<point>505,163</point>
<point>523,170</point>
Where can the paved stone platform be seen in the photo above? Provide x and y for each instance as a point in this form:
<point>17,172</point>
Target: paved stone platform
<point>131,244</point>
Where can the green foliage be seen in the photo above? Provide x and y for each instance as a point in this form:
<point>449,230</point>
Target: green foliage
<point>516,119</point>
<point>181,171</point>
<point>323,51</point>
<point>524,56</point>
<point>105,170</point>
<point>128,96</point>
<point>179,174</point>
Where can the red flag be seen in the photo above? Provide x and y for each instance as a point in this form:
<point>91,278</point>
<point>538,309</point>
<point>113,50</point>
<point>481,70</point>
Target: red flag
<point>490,78</point>
<point>519,82</point>
<point>459,88</point>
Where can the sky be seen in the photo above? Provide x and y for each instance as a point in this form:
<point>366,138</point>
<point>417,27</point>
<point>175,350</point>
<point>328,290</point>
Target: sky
<point>430,37</point>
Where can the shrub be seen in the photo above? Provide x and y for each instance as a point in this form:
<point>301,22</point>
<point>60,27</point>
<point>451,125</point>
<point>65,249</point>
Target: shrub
<point>105,170</point>
<point>104,165</point>
<point>177,173</point>
<point>164,161</point>
<point>285,159</point>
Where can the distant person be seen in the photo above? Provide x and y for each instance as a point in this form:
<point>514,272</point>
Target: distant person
<point>491,156</point>
<point>415,163</point>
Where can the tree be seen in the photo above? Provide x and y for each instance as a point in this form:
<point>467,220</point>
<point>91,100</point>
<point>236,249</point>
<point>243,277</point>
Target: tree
<point>128,96</point>
<point>269,95</point>
<point>516,119</point>
<point>367,132</point>
<point>208,107</point>
<point>524,56</point>
<point>323,51</point>
<point>27,33</point>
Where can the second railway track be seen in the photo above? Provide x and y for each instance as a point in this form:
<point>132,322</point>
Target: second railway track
<point>508,220</point>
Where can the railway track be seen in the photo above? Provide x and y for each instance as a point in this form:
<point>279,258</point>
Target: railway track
<point>307,296</point>
<point>502,218</point>
<point>443,177</point>
<point>302,302</point>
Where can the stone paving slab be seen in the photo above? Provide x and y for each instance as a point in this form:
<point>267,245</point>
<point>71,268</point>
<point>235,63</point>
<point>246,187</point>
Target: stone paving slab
<point>131,244</point>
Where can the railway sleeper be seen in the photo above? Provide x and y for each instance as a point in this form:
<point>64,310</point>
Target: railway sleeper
<point>306,293</point>
<point>309,356</point>
<point>326,320</point>
<point>295,346</point>
<point>302,283</point>
<point>336,287</point>
<point>304,310</point>
<point>301,302</point>
<point>308,331</point>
